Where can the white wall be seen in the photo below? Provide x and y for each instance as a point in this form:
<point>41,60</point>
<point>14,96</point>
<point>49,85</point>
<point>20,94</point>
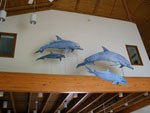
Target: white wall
<point>90,32</point>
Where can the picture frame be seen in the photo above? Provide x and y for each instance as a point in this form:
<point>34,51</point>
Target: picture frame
<point>7,44</point>
<point>134,55</point>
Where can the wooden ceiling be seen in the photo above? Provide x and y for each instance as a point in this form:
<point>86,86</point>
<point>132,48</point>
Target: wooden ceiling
<point>137,11</point>
<point>84,103</point>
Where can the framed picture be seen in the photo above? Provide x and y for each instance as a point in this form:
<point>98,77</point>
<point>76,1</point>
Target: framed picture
<point>134,55</point>
<point>7,44</point>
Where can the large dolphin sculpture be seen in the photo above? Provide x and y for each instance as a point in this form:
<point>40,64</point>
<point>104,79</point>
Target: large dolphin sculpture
<point>109,76</point>
<point>66,45</point>
<point>52,55</point>
<point>106,55</point>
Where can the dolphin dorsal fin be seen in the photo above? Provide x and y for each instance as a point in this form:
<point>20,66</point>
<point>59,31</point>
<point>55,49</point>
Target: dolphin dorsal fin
<point>104,48</point>
<point>58,38</point>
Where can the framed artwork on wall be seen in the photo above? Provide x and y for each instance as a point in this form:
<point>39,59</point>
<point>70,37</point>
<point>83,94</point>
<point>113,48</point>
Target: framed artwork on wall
<point>7,44</point>
<point>134,55</point>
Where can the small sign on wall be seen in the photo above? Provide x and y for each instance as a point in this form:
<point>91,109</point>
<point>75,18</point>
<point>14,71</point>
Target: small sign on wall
<point>7,44</point>
<point>134,55</point>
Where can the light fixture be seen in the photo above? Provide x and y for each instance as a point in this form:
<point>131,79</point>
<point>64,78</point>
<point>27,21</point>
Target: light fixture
<point>120,94</point>
<point>40,95</point>
<point>33,18</point>
<point>146,94</point>
<point>111,111</point>
<point>5,104</point>
<point>75,95</point>
<point>58,111</point>
<point>1,93</point>
<point>30,1</point>
<point>126,104</point>
<point>36,104</point>
<point>91,112</point>
<point>3,13</point>
<point>34,111</point>
<point>65,104</point>
<point>50,0</point>
<point>8,111</point>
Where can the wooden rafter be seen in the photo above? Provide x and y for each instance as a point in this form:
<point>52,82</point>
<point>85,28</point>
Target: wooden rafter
<point>13,102</point>
<point>95,102</point>
<point>127,10</point>
<point>29,102</point>
<point>25,82</point>
<point>74,103</point>
<point>45,103</point>
<point>62,98</point>
<point>136,106</point>
<point>119,102</point>
<point>104,101</point>
<point>131,102</point>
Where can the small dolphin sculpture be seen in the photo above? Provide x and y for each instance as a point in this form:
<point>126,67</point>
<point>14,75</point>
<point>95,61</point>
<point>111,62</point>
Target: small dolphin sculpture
<point>52,55</point>
<point>108,76</point>
<point>61,44</point>
<point>107,55</point>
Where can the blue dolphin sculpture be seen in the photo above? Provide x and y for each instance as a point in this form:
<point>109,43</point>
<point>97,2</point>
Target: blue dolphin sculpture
<point>108,76</point>
<point>107,55</point>
<point>52,55</point>
<point>61,44</point>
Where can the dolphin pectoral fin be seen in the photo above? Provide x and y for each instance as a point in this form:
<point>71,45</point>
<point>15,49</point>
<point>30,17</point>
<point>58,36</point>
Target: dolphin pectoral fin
<point>121,66</point>
<point>115,82</point>
<point>72,50</point>
<point>60,59</point>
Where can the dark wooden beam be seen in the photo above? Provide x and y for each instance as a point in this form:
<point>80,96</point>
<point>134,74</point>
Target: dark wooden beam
<point>45,103</point>
<point>137,105</point>
<point>25,82</point>
<point>61,99</point>
<point>127,10</point>
<point>13,102</point>
<point>74,103</point>
<point>29,102</point>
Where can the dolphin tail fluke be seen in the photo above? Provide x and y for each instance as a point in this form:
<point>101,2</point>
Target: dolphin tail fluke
<point>39,51</point>
<point>38,59</point>
<point>81,64</point>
